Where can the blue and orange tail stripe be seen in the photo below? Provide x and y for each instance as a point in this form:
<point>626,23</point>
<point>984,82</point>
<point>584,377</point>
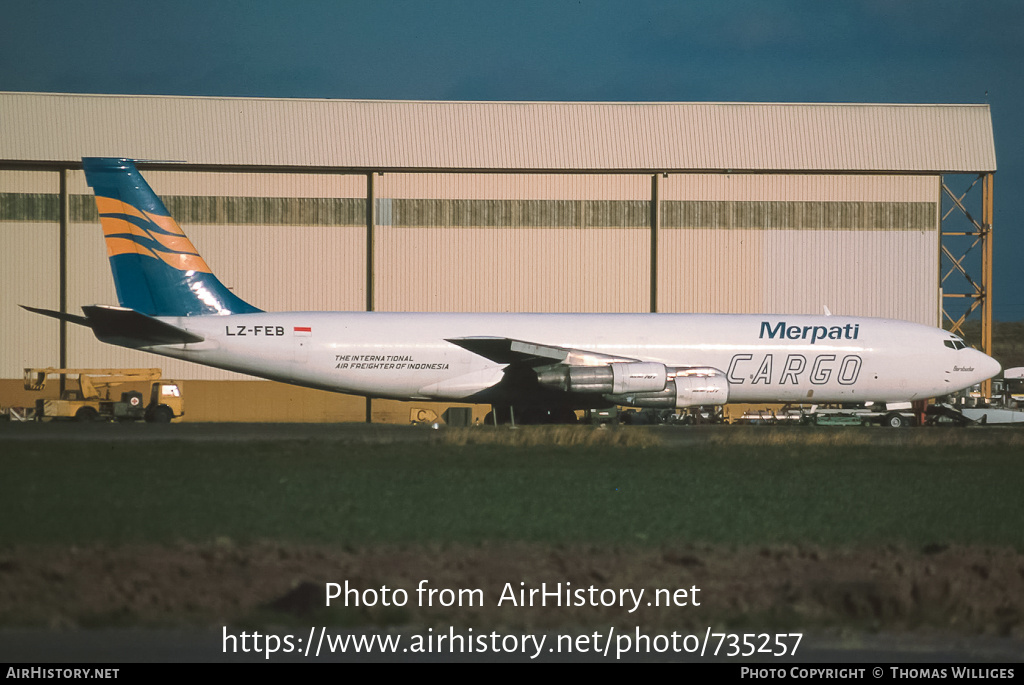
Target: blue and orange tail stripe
<point>130,230</point>
<point>157,270</point>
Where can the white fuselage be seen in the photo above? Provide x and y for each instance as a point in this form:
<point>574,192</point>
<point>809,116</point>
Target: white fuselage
<point>766,358</point>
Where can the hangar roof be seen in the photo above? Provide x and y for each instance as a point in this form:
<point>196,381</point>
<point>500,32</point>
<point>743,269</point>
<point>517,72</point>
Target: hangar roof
<point>498,136</point>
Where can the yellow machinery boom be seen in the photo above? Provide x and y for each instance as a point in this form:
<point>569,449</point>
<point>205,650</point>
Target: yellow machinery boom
<point>91,381</point>
<point>93,399</point>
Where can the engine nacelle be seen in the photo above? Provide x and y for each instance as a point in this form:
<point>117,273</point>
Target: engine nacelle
<point>639,377</point>
<point>691,387</point>
<point>695,391</point>
<point>620,377</point>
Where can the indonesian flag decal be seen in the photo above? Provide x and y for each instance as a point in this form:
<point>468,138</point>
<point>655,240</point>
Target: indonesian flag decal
<point>303,331</point>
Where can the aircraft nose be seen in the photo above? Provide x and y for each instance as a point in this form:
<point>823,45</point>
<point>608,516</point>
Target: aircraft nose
<point>984,366</point>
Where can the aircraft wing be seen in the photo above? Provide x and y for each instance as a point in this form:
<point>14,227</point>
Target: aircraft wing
<point>523,353</point>
<point>620,380</point>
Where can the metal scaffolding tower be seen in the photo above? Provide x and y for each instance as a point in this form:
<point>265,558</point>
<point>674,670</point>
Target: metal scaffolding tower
<point>966,249</point>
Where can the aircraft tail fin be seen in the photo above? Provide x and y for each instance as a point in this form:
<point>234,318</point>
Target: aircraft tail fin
<point>157,271</point>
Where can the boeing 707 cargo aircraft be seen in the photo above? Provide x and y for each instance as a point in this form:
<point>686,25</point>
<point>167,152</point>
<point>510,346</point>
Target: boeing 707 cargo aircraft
<point>172,304</point>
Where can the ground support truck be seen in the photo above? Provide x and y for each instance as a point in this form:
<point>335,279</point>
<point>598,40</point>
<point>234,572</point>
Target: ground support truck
<point>1006,406</point>
<point>94,400</point>
<point>894,415</point>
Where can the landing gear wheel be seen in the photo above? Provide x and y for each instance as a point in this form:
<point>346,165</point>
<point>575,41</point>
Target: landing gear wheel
<point>564,416</point>
<point>895,421</point>
<point>499,415</point>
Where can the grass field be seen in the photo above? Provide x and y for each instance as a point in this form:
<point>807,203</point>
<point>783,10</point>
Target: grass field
<point>732,487</point>
<point>864,529</point>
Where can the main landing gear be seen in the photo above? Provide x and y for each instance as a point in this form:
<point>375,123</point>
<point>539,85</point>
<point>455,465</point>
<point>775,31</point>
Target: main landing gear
<point>502,415</point>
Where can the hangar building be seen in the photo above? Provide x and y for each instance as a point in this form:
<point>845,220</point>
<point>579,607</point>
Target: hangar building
<point>481,206</point>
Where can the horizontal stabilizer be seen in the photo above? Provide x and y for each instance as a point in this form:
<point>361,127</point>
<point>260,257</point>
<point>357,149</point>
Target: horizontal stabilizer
<point>125,327</point>
<point>129,328</point>
<point>62,316</point>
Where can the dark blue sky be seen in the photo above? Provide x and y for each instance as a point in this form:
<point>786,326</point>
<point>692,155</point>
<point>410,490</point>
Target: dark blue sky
<point>915,51</point>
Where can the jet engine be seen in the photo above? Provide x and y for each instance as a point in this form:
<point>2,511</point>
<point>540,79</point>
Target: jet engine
<point>642,384</point>
<point>621,377</point>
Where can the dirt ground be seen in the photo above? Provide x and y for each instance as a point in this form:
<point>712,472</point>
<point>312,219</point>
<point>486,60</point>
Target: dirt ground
<point>959,590</point>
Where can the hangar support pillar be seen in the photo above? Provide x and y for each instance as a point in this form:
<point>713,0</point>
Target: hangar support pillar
<point>655,227</point>
<point>371,223</point>
<point>63,217</point>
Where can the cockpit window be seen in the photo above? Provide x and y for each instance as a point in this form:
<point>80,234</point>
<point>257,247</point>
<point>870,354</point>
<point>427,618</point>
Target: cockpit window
<point>954,344</point>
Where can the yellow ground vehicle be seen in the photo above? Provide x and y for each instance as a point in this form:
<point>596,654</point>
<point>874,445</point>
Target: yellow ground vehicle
<point>93,399</point>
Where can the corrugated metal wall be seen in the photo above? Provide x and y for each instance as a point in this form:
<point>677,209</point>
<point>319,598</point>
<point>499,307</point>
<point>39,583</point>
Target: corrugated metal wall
<point>861,245</point>
<point>566,136</point>
<point>282,242</point>
<point>541,243</point>
<point>29,267</point>
<point>450,239</point>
